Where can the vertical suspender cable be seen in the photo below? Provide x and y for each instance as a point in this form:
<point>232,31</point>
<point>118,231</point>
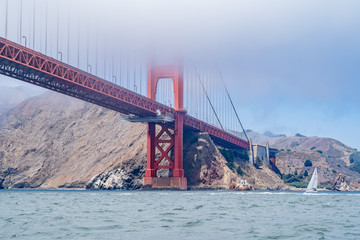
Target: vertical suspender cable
<point>204,102</point>
<point>6,18</point>
<point>127,71</point>
<point>187,88</point>
<point>105,60</point>
<point>68,37</point>
<point>208,83</point>
<point>78,48</point>
<point>21,21</point>
<point>46,28</point>
<point>112,71</point>
<point>96,52</point>
<point>198,100</point>
<point>140,76</point>
<point>120,68</point>
<point>87,46</point>
<point>134,73</point>
<point>57,28</point>
<point>34,25</point>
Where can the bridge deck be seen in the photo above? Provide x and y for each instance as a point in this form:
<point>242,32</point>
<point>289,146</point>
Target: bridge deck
<point>30,66</point>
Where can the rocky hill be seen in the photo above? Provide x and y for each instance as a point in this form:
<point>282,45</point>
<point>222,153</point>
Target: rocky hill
<point>54,141</point>
<point>331,157</point>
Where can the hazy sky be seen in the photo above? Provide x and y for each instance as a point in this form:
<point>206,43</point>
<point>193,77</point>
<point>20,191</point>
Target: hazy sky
<point>291,66</point>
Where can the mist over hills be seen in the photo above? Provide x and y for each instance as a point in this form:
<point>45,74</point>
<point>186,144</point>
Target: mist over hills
<point>13,92</point>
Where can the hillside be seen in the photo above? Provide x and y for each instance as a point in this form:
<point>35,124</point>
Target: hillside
<point>54,141</point>
<point>331,157</point>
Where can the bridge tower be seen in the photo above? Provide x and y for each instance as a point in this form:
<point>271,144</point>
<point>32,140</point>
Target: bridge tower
<point>165,140</point>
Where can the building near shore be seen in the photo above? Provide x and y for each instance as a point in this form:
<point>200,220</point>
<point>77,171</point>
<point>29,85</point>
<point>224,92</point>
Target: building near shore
<point>263,154</point>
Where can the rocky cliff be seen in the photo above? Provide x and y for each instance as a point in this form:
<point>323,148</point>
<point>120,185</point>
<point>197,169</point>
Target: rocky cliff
<point>54,141</point>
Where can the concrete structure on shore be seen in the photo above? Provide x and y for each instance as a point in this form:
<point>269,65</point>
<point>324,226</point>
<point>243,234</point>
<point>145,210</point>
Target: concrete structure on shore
<point>260,153</point>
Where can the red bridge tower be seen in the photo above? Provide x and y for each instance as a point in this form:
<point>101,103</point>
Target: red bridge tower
<point>165,140</point>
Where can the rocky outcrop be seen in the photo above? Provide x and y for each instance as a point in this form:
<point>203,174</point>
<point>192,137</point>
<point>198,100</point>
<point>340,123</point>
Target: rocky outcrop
<point>341,184</point>
<point>127,176</point>
<point>203,163</point>
<point>206,167</point>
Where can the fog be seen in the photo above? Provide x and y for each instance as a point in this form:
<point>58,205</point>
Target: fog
<point>291,66</point>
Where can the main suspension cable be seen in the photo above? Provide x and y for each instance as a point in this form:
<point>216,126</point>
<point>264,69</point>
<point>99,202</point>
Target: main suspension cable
<point>232,104</point>
<point>206,94</point>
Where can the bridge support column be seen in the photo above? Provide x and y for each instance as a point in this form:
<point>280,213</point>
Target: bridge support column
<point>178,153</point>
<point>150,171</point>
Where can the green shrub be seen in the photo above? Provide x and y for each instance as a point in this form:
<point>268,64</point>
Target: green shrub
<point>306,173</point>
<point>231,165</point>
<point>319,151</point>
<point>355,162</point>
<point>355,157</point>
<point>299,135</point>
<point>325,185</point>
<point>308,163</point>
<point>289,178</point>
<point>231,155</point>
<point>312,148</point>
<point>299,184</point>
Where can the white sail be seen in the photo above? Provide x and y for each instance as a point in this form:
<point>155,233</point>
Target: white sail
<point>312,187</point>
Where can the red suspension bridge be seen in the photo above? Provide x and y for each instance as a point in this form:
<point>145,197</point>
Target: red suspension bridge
<point>166,118</point>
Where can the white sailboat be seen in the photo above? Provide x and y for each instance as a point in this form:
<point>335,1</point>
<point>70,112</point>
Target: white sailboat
<point>312,187</point>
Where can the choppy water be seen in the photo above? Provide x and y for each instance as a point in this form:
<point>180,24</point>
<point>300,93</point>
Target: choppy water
<point>178,215</point>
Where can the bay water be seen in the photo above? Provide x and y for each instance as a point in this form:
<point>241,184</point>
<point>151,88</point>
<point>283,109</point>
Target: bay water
<point>51,214</point>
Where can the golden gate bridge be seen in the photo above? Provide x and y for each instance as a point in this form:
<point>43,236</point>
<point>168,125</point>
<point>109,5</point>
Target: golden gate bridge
<point>42,46</point>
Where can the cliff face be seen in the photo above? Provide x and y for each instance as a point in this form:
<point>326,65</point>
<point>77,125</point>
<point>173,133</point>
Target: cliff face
<point>54,141</point>
<point>205,166</point>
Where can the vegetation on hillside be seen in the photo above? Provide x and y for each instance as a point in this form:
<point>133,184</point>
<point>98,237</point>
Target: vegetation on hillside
<point>308,163</point>
<point>355,162</point>
<point>296,180</point>
<point>299,135</point>
<point>232,157</point>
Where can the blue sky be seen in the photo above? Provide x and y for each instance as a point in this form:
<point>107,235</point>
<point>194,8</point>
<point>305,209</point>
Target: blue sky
<point>291,66</point>
<point>300,69</point>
